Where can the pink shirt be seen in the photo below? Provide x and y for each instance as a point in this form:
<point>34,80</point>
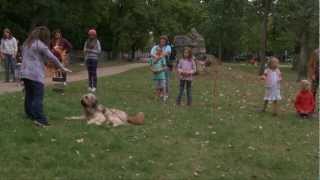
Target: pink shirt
<point>186,65</point>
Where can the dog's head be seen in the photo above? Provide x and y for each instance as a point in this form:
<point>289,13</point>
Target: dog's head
<point>89,101</point>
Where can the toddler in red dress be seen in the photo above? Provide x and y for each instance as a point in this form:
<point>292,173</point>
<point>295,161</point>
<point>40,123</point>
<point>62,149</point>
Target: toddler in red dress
<point>304,103</point>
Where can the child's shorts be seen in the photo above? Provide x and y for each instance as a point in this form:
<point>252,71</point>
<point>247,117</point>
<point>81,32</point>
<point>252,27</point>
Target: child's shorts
<point>160,84</point>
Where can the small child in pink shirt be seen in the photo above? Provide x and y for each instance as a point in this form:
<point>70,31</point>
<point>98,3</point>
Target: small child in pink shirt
<point>272,78</point>
<point>186,69</point>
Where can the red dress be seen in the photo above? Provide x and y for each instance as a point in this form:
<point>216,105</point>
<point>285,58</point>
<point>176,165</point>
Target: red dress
<point>305,102</point>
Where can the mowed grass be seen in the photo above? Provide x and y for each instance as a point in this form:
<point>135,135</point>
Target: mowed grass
<point>232,141</point>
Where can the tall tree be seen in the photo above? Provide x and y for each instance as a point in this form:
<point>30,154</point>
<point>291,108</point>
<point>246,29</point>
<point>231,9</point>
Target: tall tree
<point>301,18</point>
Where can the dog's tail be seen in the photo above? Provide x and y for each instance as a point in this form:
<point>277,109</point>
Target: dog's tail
<point>138,119</point>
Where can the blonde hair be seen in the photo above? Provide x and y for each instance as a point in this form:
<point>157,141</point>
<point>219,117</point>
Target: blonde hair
<point>273,60</point>
<point>305,84</point>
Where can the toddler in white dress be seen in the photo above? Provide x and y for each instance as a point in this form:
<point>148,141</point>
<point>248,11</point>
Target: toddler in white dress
<point>272,78</point>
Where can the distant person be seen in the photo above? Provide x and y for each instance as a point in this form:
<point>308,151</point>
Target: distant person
<point>166,52</point>
<point>186,69</point>
<point>272,77</point>
<point>158,67</point>
<point>60,48</point>
<point>304,103</point>
<point>34,54</point>
<point>313,71</point>
<point>92,51</point>
<point>8,52</point>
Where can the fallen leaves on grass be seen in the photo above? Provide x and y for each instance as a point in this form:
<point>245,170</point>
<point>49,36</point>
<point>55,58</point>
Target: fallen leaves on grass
<point>81,140</point>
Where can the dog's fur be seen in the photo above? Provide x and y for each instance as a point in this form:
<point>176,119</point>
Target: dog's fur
<point>98,114</point>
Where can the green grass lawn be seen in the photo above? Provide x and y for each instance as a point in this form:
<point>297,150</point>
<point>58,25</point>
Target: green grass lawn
<point>230,142</point>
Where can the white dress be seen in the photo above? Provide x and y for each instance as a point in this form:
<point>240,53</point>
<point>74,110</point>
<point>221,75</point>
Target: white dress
<point>273,87</point>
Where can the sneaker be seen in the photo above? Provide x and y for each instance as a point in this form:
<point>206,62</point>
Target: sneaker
<point>165,98</point>
<point>65,83</point>
<point>46,124</point>
<point>93,89</point>
<point>89,89</point>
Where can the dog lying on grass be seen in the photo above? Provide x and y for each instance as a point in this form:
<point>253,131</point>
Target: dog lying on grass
<point>97,114</point>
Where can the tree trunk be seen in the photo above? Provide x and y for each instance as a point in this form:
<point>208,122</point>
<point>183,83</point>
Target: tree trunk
<point>294,63</point>
<point>133,53</point>
<point>264,34</point>
<point>303,57</point>
<point>220,51</point>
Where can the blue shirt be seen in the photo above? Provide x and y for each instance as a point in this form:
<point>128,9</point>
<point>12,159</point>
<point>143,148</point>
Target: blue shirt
<point>166,49</point>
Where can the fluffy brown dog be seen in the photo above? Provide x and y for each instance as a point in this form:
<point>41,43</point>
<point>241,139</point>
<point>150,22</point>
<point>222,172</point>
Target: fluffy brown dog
<point>98,114</point>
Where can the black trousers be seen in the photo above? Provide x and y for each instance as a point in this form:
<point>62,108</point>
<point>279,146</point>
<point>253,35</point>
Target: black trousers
<point>92,65</point>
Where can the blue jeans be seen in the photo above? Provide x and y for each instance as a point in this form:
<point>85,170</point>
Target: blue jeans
<point>33,102</point>
<point>92,72</point>
<point>9,66</point>
<point>185,84</point>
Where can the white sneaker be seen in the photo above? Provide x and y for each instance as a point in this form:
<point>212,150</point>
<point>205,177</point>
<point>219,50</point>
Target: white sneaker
<point>165,98</point>
<point>93,89</point>
<point>89,89</point>
<point>65,83</point>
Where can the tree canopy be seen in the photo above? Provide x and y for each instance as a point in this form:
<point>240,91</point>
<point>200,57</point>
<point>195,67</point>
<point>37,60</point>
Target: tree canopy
<point>229,27</point>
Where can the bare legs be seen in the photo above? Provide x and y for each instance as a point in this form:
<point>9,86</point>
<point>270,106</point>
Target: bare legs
<point>275,107</point>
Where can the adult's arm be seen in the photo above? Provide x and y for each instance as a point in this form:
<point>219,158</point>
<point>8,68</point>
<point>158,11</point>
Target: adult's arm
<point>15,47</point>
<point>311,68</point>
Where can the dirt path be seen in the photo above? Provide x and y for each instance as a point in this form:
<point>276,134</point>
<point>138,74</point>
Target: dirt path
<point>78,76</point>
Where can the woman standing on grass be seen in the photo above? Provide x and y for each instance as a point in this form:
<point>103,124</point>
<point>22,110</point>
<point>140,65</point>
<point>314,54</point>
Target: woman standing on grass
<point>92,50</point>
<point>8,52</point>
<point>60,47</point>
<point>35,53</point>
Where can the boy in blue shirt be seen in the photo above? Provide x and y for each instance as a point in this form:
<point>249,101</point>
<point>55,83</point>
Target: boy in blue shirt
<point>158,67</point>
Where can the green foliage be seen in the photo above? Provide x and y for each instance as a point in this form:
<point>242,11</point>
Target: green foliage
<point>122,24</point>
<point>237,25</point>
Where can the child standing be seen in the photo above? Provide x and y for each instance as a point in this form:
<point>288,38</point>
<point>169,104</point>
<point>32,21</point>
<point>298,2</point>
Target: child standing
<point>305,103</point>
<point>272,77</point>
<point>186,69</point>
<point>35,53</point>
<point>92,50</point>
<point>158,67</point>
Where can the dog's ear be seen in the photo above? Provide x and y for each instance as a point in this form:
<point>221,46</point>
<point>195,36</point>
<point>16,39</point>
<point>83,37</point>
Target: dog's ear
<point>94,103</point>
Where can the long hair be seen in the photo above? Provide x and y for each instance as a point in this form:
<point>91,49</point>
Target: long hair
<point>189,50</point>
<point>41,33</point>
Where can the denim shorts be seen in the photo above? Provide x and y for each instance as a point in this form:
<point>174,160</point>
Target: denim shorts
<point>160,83</point>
